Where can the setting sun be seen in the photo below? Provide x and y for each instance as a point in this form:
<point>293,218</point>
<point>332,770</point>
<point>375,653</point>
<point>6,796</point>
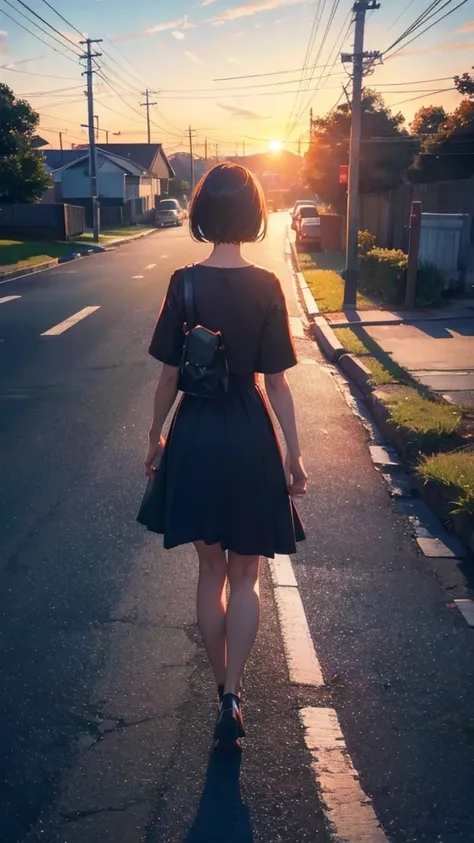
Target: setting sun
<point>274,146</point>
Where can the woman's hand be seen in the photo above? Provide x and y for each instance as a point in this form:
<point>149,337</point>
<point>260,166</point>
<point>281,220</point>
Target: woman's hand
<point>298,477</point>
<point>153,455</point>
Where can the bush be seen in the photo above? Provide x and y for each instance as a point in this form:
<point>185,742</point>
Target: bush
<point>429,285</point>
<point>382,274</point>
<point>366,242</point>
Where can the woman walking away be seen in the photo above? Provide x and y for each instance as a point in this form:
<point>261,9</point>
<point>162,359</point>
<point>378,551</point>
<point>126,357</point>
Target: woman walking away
<point>219,481</point>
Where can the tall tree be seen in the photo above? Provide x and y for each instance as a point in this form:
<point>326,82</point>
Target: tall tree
<point>386,150</point>
<point>449,153</point>
<point>428,120</point>
<point>23,177</point>
<point>465,84</point>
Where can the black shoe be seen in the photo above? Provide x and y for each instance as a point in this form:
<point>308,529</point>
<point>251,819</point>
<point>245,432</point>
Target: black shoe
<point>230,726</point>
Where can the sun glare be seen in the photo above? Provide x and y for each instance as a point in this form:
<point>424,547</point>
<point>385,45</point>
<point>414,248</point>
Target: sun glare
<point>274,146</point>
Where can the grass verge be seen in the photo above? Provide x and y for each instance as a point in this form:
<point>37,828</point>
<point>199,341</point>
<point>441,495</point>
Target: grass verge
<point>429,424</point>
<point>113,233</point>
<point>17,254</point>
<point>454,471</point>
<point>321,271</point>
<point>358,342</point>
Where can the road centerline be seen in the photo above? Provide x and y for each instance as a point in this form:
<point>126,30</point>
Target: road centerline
<point>63,326</point>
<point>6,299</point>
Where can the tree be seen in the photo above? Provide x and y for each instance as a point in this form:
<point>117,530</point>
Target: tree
<point>23,177</point>
<point>428,120</point>
<point>386,150</point>
<point>449,153</point>
<point>465,85</point>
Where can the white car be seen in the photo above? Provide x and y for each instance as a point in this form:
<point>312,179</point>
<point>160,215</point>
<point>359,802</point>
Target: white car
<point>296,207</point>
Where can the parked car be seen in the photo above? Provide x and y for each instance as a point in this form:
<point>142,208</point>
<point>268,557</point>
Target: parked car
<point>308,224</point>
<point>294,211</point>
<point>169,212</point>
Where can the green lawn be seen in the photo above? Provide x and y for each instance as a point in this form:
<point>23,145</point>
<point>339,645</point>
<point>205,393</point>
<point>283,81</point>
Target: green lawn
<point>429,422</point>
<point>321,271</point>
<point>16,254</point>
<point>113,233</point>
<point>455,471</point>
<point>357,341</point>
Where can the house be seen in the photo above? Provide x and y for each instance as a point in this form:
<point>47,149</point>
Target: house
<point>148,156</point>
<point>126,188</point>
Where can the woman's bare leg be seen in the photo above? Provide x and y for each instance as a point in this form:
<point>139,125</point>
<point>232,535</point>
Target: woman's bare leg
<point>211,605</point>
<point>243,616</point>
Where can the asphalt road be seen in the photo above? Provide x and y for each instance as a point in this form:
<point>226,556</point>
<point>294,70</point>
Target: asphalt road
<point>106,701</point>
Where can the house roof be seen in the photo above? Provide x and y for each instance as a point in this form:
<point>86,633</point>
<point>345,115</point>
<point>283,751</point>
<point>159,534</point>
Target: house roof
<point>145,155</point>
<point>56,159</point>
<point>131,167</point>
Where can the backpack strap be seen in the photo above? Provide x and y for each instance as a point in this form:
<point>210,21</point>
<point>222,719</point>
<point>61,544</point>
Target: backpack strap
<point>188,286</point>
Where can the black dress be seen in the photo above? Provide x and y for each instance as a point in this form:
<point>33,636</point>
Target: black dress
<point>221,477</point>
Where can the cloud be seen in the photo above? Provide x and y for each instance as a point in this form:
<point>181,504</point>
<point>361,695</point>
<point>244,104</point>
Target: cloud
<point>180,36</point>
<point>3,42</point>
<point>193,57</point>
<point>206,2</point>
<point>468,27</point>
<point>251,8</point>
<point>163,27</point>
<point>234,60</point>
<point>241,112</point>
<point>177,24</point>
<point>441,46</point>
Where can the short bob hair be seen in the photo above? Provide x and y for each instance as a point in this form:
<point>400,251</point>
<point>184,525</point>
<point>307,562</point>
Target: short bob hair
<point>228,206</point>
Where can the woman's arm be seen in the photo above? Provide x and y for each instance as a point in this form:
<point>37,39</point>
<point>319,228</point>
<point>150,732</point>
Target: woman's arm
<point>165,396</point>
<point>280,397</point>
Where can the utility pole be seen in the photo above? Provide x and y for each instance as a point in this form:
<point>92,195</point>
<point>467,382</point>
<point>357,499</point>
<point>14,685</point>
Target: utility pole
<point>97,127</point>
<point>217,153</point>
<point>205,150</point>
<point>146,105</point>
<point>357,58</point>
<point>191,157</point>
<point>243,147</point>
<point>311,125</point>
<point>89,55</point>
<point>299,147</point>
<point>61,147</point>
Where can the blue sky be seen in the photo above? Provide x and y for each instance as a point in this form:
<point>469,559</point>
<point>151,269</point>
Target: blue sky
<point>179,48</point>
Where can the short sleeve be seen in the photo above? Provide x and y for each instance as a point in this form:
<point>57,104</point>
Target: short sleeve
<point>167,340</point>
<point>277,352</point>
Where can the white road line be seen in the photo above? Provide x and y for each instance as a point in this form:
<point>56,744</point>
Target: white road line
<point>302,661</point>
<point>68,323</point>
<point>8,298</point>
<point>466,607</point>
<point>150,266</point>
<point>137,276</point>
<point>164,256</point>
<point>349,811</point>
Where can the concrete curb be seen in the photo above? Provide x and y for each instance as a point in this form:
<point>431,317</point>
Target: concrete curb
<point>327,340</point>
<point>125,240</point>
<point>28,270</point>
<point>357,372</point>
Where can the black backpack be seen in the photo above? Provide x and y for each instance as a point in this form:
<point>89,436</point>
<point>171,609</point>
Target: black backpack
<point>203,370</point>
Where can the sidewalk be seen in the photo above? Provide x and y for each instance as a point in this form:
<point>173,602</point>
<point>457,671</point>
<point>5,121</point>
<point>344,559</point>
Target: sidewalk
<point>417,341</point>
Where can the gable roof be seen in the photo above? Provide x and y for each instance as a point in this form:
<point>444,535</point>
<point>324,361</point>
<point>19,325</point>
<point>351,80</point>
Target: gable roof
<point>56,159</point>
<point>130,167</point>
<point>143,154</point>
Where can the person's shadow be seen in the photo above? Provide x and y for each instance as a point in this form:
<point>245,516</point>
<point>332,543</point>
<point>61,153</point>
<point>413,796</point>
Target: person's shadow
<point>222,816</point>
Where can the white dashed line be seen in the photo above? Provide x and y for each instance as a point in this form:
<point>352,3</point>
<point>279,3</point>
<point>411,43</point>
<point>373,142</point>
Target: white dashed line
<point>349,811</point>
<point>68,323</point>
<point>303,664</point>
<point>466,607</point>
<point>8,298</point>
<point>150,266</point>
<point>164,256</point>
<point>137,276</point>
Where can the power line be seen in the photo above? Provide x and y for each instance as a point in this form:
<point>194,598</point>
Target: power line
<point>272,73</point>
<point>63,18</point>
<point>309,49</point>
<point>57,31</point>
<point>410,3</point>
<point>31,73</point>
<point>412,99</point>
<point>38,37</point>
<point>402,47</point>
